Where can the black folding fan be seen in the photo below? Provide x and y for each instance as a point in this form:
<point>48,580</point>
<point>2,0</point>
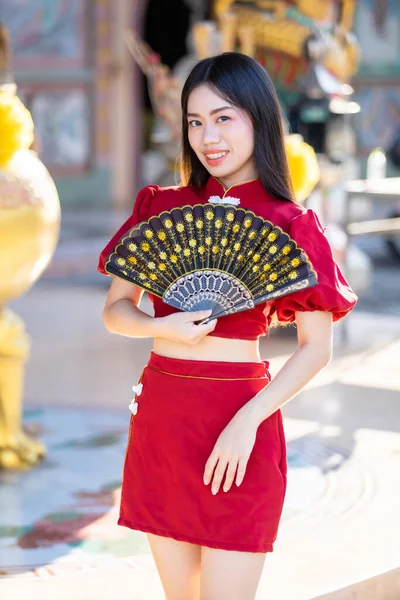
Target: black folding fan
<point>211,256</point>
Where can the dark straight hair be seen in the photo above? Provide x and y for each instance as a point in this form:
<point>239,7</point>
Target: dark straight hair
<point>244,83</point>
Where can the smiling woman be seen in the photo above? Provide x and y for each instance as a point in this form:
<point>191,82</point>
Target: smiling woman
<point>226,106</point>
<point>205,467</point>
<point>223,138</point>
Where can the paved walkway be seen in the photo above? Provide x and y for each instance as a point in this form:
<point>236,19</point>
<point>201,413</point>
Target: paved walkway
<point>58,536</point>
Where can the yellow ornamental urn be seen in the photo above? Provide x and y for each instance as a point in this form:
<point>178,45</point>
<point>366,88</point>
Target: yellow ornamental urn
<point>29,230</point>
<point>303,166</point>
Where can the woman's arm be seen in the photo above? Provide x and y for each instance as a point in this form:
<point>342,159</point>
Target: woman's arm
<point>314,332</point>
<point>122,315</point>
<point>234,445</point>
<point>121,312</point>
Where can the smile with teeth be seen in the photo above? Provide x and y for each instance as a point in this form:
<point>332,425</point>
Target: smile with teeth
<point>216,155</point>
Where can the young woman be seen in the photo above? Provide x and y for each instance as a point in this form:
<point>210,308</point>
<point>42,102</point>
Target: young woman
<point>205,467</point>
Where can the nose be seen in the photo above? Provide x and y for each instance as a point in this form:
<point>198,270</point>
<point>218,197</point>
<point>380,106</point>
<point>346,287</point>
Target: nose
<point>210,135</point>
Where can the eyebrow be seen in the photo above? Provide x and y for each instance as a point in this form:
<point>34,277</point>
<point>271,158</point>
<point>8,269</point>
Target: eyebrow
<point>212,112</point>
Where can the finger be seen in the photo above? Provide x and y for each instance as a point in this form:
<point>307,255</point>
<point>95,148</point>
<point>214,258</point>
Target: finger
<point>198,315</point>
<point>209,468</point>
<point>241,471</point>
<point>230,475</point>
<point>218,475</point>
<point>204,329</point>
<point>211,325</point>
<point>202,332</point>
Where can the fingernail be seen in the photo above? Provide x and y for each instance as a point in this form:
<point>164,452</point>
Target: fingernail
<point>213,492</point>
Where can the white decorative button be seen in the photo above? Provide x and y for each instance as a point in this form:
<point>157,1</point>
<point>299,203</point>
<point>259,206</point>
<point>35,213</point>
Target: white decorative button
<point>226,200</point>
<point>133,407</point>
<point>137,389</point>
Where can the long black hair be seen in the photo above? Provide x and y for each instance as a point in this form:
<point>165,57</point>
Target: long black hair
<point>243,82</point>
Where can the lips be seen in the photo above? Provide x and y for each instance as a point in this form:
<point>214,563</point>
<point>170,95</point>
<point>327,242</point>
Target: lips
<point>216,154</point>
<point>216,157</point>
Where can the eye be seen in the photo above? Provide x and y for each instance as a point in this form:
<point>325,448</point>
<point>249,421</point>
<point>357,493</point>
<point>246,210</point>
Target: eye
<point>224,118</point>
<point>194,123</point>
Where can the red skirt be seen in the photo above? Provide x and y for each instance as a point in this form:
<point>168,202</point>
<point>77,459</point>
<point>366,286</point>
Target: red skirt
<point>183,407</point>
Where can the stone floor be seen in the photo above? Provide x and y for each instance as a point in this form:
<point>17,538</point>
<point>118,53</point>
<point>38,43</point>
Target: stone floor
<point>58,536</point>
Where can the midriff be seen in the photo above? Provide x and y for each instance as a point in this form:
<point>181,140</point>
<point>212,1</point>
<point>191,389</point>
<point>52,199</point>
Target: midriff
<point>210,348</point>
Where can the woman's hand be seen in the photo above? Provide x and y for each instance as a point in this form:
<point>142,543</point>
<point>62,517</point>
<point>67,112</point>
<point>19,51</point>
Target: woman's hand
<point>231,451</point>
<point>122,315</point>
<point>181,327</point>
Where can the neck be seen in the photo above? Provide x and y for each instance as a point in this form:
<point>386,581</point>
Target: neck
<point>229,183</point>
<point>243,175</point>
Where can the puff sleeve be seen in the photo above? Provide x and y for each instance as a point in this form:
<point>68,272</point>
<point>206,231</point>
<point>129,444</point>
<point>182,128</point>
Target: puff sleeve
<point>332,293</point>
<point>139,213</point>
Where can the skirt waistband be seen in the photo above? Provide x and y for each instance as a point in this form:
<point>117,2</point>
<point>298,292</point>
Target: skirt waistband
<point>208,369</point>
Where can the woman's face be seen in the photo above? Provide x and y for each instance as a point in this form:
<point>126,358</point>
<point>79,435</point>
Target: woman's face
<point>222,136</point>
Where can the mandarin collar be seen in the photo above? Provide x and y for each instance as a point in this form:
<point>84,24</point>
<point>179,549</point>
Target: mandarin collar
<point>215,188</point>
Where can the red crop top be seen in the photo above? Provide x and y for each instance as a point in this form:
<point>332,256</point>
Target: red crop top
<point>332,292</point>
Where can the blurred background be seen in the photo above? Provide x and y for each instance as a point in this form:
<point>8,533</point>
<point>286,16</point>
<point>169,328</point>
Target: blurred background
<point>89,114</point>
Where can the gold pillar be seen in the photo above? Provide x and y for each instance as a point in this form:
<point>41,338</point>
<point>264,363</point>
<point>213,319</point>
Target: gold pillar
<point>228,27</point>
<point>29,228</point>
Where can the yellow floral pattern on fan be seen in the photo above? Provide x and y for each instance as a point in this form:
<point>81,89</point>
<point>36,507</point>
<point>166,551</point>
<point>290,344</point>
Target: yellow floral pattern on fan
<point>211,254</point>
